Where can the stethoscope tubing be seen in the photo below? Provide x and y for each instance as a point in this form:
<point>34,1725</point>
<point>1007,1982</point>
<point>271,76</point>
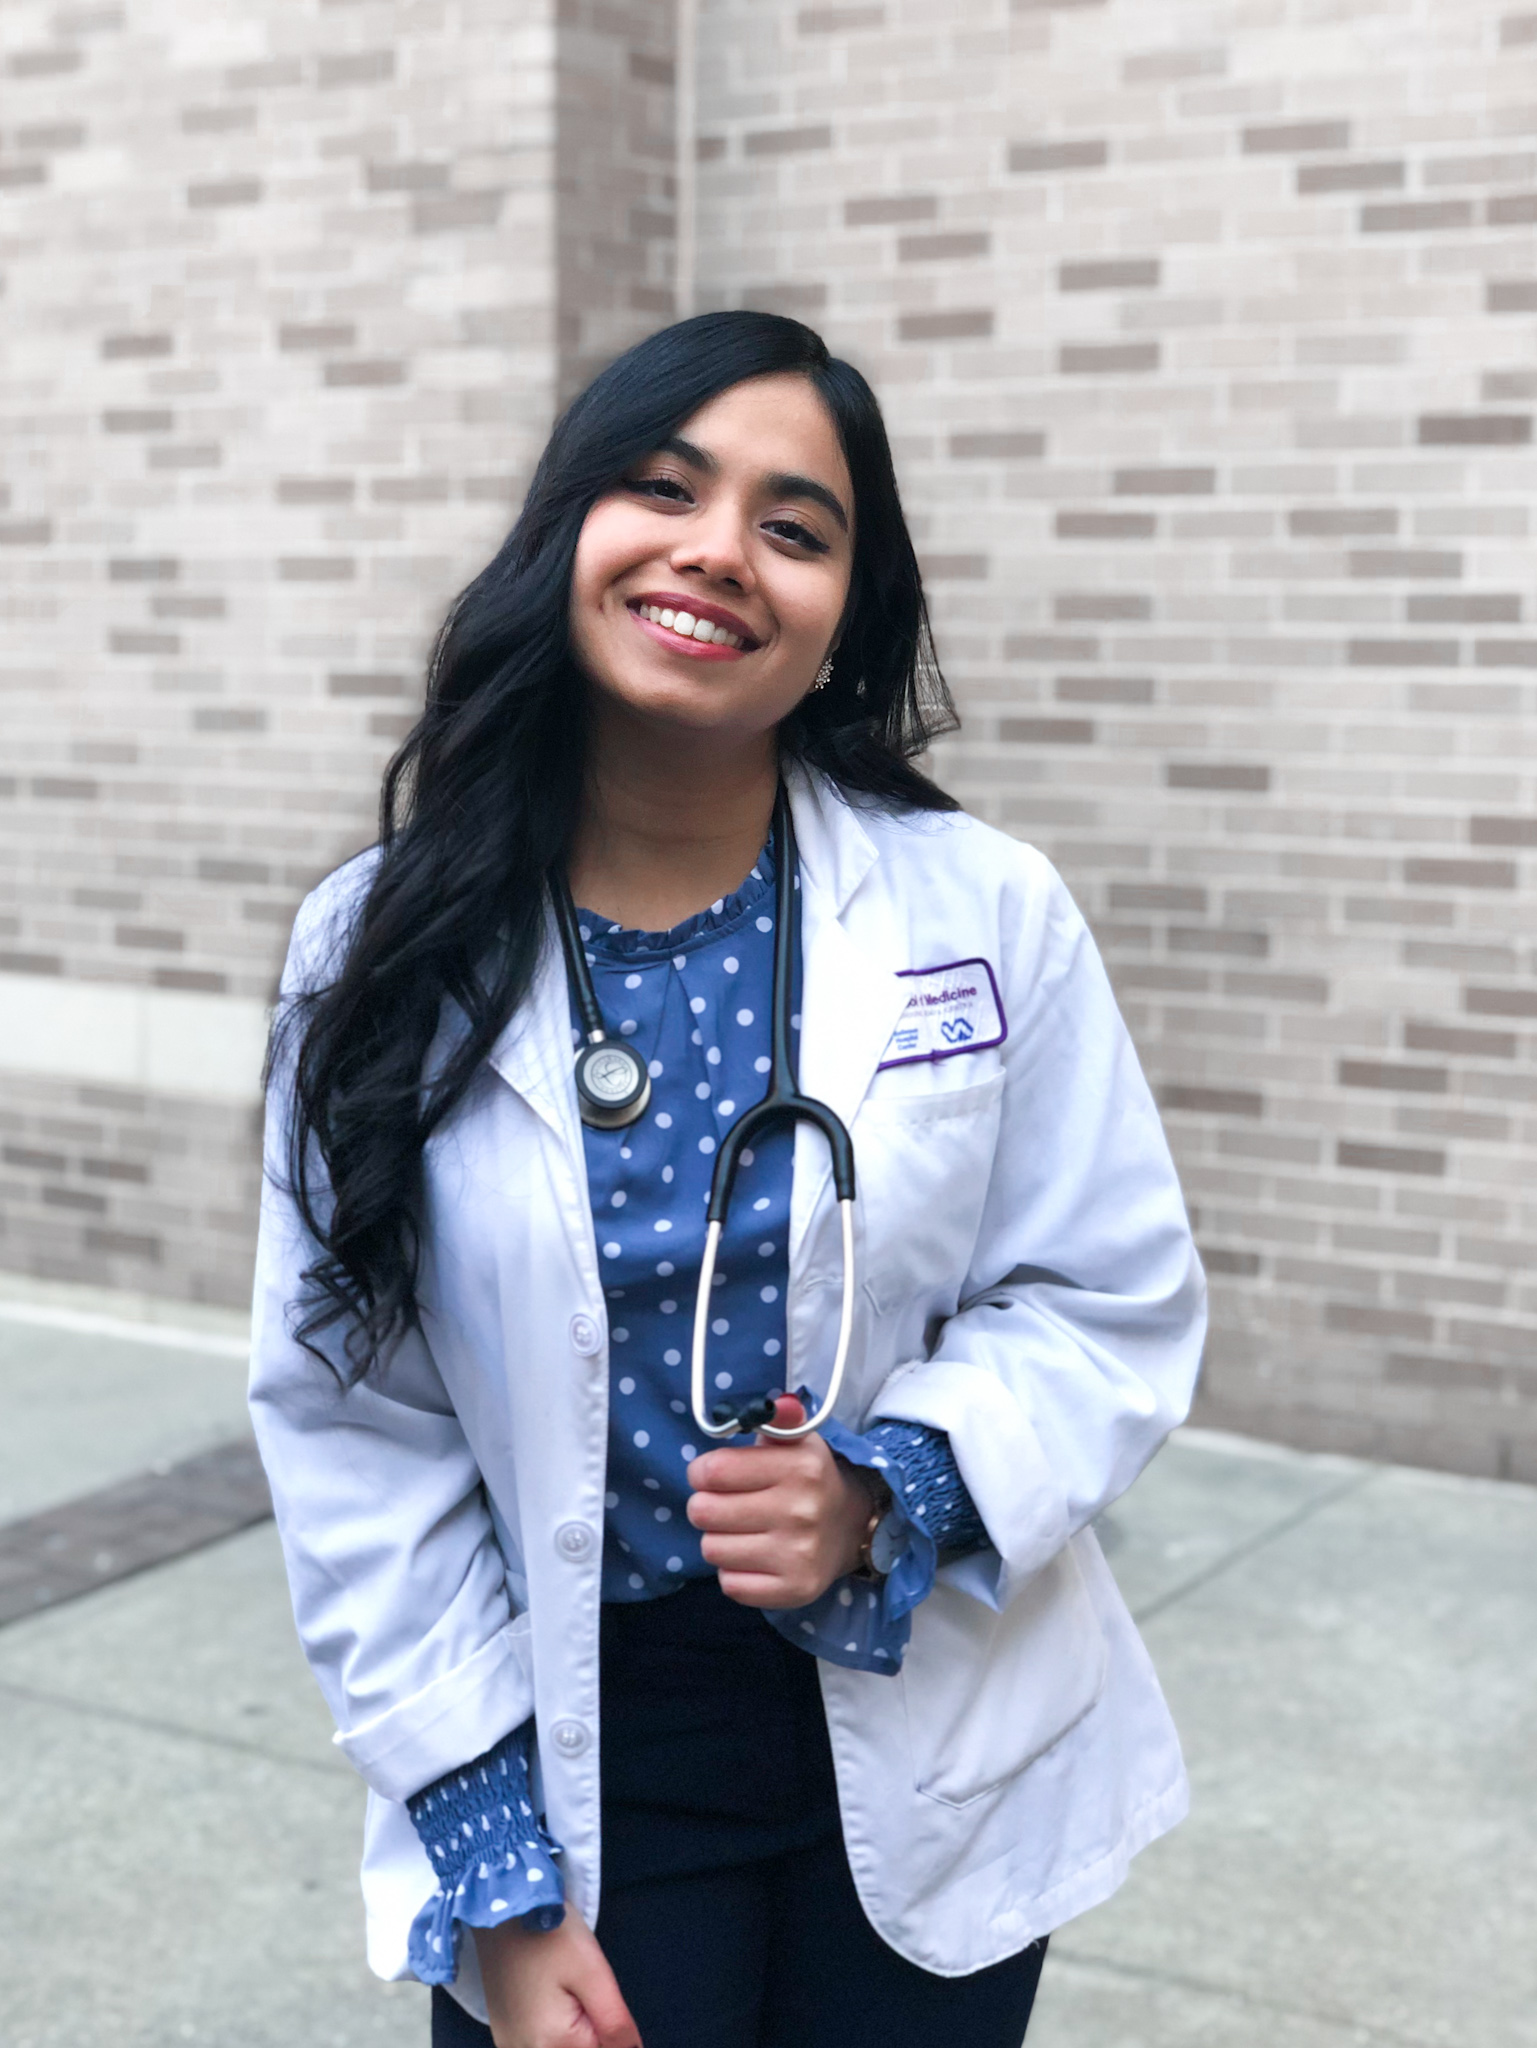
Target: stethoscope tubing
<point>783,1103</point>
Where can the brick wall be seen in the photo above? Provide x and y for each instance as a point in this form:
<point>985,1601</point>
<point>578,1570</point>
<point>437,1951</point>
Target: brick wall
<point>1206,334</point>
<point>283,333</point>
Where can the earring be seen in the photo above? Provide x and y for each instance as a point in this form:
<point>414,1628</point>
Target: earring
<point>824,675</point>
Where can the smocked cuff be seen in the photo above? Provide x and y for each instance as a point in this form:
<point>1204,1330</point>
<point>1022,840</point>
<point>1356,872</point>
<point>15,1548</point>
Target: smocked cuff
<point>493,1858</point>
<point>861,1626</point>
<point>931,1484</point>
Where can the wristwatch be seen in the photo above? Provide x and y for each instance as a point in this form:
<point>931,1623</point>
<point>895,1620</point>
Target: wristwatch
<point>882,1544</point>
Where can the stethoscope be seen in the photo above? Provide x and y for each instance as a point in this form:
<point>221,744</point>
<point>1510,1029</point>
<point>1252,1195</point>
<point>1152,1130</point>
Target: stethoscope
<point>613,1089</point>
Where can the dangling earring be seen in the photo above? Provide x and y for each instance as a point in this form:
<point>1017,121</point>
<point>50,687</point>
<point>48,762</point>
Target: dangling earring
<point>824,675</point>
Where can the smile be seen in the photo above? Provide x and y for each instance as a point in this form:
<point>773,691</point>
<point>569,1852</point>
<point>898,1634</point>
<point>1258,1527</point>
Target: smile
<point>694,626</point>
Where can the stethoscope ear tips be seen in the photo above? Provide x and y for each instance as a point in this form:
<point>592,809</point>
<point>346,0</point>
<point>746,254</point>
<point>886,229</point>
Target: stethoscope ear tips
<point>612,1085</point>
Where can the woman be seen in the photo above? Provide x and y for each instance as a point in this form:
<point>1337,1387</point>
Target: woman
<point>857,1716</point>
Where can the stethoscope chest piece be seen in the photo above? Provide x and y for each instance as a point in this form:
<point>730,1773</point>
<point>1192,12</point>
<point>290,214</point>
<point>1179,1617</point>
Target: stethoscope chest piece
<point>612,1085</point>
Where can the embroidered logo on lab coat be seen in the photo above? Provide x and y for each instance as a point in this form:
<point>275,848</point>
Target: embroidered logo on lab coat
<point>953,1008</point>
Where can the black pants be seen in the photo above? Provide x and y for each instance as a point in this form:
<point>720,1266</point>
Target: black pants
<point>729,1914</point>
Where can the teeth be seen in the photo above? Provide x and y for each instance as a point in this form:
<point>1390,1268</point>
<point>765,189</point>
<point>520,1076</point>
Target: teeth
<point>705,631</point>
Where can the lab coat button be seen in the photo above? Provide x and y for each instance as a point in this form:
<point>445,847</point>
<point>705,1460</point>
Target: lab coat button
<point>574,1540</point>
<point>585,1335</point>
<point>570,1737</point>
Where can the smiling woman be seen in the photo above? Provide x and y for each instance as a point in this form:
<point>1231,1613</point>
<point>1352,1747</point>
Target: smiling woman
<point>850,1716</point>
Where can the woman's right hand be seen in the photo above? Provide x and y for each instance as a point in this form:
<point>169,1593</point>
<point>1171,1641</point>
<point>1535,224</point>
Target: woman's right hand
<point>552,1990</point>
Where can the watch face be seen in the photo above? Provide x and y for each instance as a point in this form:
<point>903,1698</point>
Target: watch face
<point>885,1545</point>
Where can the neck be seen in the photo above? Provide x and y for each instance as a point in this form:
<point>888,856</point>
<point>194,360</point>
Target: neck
<point>671,820</point>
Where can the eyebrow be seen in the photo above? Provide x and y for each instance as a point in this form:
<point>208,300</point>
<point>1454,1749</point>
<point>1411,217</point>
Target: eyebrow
<point>783,483</point>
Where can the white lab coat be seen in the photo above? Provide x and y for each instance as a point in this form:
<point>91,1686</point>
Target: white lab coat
<point>443,1529</point>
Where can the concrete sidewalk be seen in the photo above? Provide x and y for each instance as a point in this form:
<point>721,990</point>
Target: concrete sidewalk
<point>1351,1653</point>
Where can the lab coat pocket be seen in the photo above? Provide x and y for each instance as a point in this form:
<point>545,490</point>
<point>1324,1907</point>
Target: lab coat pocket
<point>987,1692</point>
<point>925,1159</point>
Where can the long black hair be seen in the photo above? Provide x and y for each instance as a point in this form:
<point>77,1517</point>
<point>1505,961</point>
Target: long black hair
<point>482,799</point>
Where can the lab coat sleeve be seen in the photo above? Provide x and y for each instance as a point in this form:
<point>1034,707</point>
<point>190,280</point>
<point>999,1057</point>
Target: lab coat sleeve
<point>398,1581</point>
<point>1078,1338</point>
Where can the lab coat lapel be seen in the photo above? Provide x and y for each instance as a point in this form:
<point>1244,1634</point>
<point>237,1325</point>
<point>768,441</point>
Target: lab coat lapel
<point>533,1054</point>
<point>851,997</point>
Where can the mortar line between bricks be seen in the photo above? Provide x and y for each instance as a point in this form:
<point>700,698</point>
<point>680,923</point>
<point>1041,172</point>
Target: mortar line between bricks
<point>1360,2030</point>
<point>154,1724</point>
<point>1261,1540</point>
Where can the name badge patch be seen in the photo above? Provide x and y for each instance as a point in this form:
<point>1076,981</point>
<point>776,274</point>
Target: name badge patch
<point>951,1009</point>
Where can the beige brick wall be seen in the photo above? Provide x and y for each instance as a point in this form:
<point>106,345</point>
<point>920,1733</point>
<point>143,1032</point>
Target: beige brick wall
<point>1206,333</point>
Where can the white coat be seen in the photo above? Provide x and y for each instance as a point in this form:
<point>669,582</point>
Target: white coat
<point>443,1528</point>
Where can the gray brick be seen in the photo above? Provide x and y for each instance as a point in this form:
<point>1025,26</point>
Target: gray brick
<point>1101,604</point>
<point>1452,1038</point>
<point>1370,1158</point>
<point>1496,831</point>
<point>1404,562</point>
<point>407,177</point>
<point>1046,732</point>
<point>137,420</point>
<point>1102,359</point>
<point>1381,176</point>
<point>225,192</point>
<point>455,211</point>
<point>1182,1096</point>
<point>1077,155</point>
<point>121,347</point>
<point>1511,295</point>
<point>836,21</point>
<point>316,568</point>
<point>787,141</point>
<point>1218,775</point>
<point>1465,608</point>
<point>322,334</point>
<point>1026,446</point>
<point>953,247</point>
<point>355,67</point>
<point>889,210</point>
<point>1290,138</point>
<point>1512,209</point>
<point>955,568</point>
<point>969,323</point>
<point>1397,1077</point>
<point>1505,653</point>
<point>1402,653</point>
<point>786,296</point>
<point>1165,483</point>
<point>343,683</point>
<point>1417,217</point>
<point>1328,522</point>
<point>1105,525</point>
<point>1100,689</point>
<point>144,569</point>
<point>1460,874</point>
<point>1475,430</point>
<point>1111,273</point>
<point>375,373</point>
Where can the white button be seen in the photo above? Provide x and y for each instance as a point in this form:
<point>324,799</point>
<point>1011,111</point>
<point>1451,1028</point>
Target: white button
<point>585,1335</point>
<point>569,1737</point>
<point>574,1539</point>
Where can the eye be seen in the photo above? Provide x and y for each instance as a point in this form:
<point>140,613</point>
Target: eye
<point>667,488</point>
<point>801,536</point>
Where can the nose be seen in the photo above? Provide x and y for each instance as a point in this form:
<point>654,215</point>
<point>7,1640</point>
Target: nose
<point>715,546</point>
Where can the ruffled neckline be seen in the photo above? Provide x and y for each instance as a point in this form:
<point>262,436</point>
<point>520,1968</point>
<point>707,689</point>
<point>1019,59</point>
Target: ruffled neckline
<point>618,943</point>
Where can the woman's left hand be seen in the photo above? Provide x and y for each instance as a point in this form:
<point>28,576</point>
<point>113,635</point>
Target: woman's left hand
<point>781,1521</point>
